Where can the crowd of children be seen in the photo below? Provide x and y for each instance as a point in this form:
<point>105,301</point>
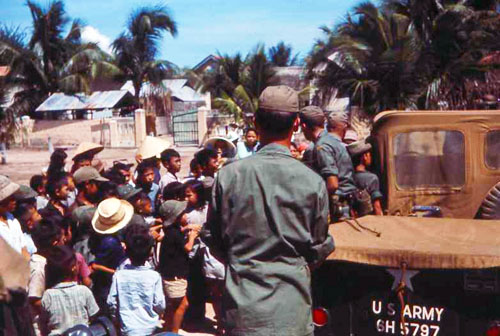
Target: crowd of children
<point>124,243</point>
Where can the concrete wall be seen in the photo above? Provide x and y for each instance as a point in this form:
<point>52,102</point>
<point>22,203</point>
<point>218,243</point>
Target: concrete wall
<point>62,132</point>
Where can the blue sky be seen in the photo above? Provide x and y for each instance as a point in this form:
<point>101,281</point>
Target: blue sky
<point>205,26</point>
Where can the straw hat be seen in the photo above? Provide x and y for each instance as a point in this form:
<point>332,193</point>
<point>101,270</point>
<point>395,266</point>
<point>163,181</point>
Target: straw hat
<point>358,148</point>
<point>112,215</point>
<point>229,147</point>
<point>87,149</point>
<point>7,187</point>
<point>152,147</point>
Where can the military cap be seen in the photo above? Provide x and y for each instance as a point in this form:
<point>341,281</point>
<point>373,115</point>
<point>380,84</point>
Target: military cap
<point>170,210</point>
<point>84,174</point>
<point>337,118</point>
<point>358,148</point>
<point>279,98</point>
<point>313,113</point>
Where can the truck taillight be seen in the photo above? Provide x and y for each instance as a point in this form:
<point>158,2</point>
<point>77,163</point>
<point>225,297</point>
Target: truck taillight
<point>494,330</point>
<point>321,317</point>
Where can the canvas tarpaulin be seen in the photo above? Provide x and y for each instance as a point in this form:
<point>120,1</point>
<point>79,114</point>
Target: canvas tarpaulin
<point>433,243</point>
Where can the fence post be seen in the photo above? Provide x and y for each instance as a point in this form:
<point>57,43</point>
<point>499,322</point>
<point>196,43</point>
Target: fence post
<point>202,124</point>
<point>140,126</point>
<point>114,137</point>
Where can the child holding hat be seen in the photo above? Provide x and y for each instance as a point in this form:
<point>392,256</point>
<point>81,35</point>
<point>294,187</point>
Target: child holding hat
<point>174,260</point>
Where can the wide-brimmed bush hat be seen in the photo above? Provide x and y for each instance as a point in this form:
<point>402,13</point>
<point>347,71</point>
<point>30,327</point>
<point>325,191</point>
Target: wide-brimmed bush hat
<point>112,215</point>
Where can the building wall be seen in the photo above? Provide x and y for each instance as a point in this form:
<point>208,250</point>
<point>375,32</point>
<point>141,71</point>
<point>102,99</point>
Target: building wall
<point>62,132</point>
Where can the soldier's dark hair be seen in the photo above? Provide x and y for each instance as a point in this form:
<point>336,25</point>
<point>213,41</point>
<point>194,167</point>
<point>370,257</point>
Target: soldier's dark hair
<point>275,122</point>
<point>138,243</point>
<point>167,154</point>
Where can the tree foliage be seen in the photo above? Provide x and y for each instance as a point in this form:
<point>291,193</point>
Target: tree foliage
<point>406,54</point>
<point>137,48</point>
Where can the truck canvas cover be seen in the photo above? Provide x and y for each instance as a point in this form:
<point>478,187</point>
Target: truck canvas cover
<point>421,243</point>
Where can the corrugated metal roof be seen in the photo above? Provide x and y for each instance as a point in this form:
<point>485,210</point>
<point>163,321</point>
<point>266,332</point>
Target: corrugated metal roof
<point>62,102</point>
<point>177,88</point>
<point>98,100</point>
<point>105,99</point>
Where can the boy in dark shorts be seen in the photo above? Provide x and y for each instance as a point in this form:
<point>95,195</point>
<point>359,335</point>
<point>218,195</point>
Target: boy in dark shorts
<point>174,260</point>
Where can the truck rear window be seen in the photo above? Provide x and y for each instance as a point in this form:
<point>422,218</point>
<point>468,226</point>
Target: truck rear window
<point>493,149</point>
<point>429,159</point>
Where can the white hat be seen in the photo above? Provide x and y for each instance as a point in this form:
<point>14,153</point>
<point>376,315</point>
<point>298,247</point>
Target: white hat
<point>152,147</point>
<point>112,215</point>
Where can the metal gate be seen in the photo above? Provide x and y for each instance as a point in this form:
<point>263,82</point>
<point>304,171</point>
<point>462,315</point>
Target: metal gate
<point>185,127</point>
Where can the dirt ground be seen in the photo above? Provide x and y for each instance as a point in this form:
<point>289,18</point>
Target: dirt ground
<point>24,163</point>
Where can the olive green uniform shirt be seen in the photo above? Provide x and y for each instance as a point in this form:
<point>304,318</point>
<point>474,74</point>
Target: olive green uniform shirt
<point>269,220</point>
<point>332,159</point>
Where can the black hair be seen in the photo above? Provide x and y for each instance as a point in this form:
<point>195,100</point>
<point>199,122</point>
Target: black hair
<point>275,122</point>
<point>46,233</point>
<point>108,189</point>
<point>61,261</point>
<point>36,182</point>
<point>167,154</point>
<point>192,165</point>
<point>197,187</point>
<point>22,209</point>
<point>56,164</point>
<point>55,182</point>
<point>143,196</point>
<point>173,191</point>
<point>138,243</point>
<point>204,156</point>
<point>250,129</point>
<point>114,176</point>
<point>143,166</point>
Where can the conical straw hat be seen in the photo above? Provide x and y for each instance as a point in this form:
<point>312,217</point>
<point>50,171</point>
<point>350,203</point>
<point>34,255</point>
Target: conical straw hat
<point>87,148</point>
<point>152,147</point>
<point>229,147</point>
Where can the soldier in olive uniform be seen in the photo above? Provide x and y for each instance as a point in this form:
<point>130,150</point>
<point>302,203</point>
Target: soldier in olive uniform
<point>360,152</point>
<point>330,157</point>
<point>268,220</point>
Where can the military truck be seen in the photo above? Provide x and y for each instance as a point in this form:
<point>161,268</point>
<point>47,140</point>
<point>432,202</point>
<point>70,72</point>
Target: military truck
<point>405,275</point>
<point>446,160</point>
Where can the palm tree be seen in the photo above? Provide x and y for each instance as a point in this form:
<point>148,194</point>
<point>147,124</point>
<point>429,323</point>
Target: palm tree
<point>259,72</point>
<point>456,35</point>
<point>372,58</point>
<point>281,55</point>
<point>50,61</point>
<point>137,48</point>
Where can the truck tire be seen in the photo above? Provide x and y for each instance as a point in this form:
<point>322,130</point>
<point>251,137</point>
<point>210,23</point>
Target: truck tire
<point>490,208</point>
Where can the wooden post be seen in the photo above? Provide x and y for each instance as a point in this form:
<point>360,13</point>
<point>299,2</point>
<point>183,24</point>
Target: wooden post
<point>202,124</point>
